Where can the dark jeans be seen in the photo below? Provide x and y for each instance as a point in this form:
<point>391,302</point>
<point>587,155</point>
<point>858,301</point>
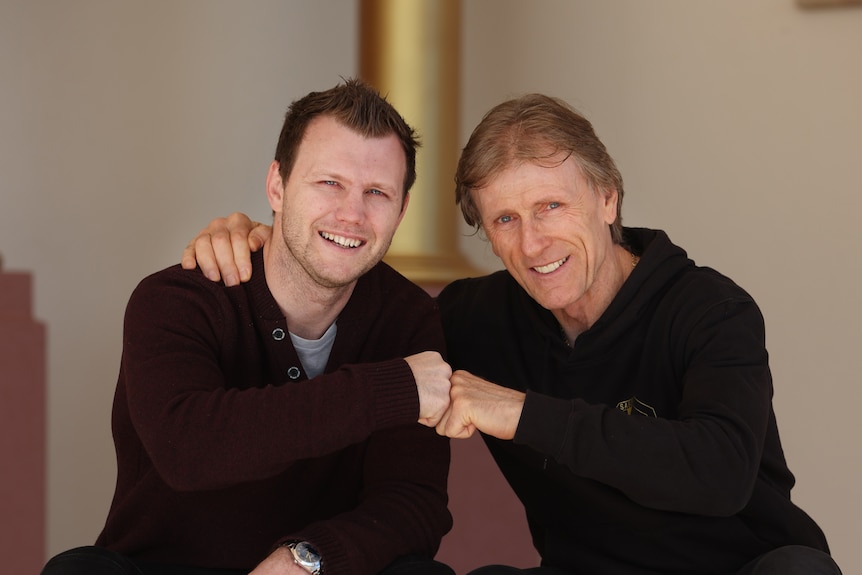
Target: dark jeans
<point>503,570</point>
<point>790,560</point>
<point>98,561</point>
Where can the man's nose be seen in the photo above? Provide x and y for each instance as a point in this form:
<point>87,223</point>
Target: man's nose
<point>533,240</point>
<point>351,206</point>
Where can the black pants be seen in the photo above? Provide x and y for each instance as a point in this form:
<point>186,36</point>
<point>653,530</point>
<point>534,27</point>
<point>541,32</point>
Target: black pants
<point>790,560</point>
<point>98,561</point>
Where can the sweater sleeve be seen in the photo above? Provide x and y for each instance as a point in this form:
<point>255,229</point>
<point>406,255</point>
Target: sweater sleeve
<point>403,510</point>
<point>705,459</point>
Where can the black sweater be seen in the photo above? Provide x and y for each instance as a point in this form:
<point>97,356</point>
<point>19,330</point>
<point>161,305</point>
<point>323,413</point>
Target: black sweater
<point>225,448</point>
<point>650,446</point>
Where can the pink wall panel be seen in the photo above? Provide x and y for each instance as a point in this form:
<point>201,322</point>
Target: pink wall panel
<point>22,428</point>
<point>489,522</point>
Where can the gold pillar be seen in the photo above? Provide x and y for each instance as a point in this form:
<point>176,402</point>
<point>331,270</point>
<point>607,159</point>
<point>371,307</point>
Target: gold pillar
<point>410,51</point>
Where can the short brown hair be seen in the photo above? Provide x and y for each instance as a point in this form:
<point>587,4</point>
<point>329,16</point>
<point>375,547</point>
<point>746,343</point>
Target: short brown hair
<point>533,128</point>
<point>357,106</point>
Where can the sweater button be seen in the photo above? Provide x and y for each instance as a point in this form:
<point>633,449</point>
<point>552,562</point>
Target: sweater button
<point>278,334</point>
<point>293,373</point>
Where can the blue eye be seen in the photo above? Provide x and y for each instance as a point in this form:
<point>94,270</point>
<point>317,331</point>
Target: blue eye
<point>553,205</point>
<point>505,219</point>
<point>375,192</point>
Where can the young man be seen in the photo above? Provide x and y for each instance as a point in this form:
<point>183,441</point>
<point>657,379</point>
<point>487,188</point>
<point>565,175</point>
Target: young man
<point>272,427</point>
<point>624,391</point>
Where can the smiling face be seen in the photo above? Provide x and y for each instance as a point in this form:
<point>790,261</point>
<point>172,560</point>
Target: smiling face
<point>340,207</point>
<point>552,232</point>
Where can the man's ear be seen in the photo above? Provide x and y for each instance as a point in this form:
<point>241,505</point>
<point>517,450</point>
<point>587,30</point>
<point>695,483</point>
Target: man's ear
<point>610,199</point>
<point>274,187</point>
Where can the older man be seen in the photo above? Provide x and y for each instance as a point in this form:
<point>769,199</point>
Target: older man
<point>624,391</point>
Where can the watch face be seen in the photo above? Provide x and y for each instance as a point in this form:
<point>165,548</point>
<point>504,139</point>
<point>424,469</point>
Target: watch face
<point>306,553</point>
<point>307,556</point>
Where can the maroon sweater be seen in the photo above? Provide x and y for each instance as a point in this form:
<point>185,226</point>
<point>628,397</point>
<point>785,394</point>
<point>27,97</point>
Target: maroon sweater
<point>225,448</point>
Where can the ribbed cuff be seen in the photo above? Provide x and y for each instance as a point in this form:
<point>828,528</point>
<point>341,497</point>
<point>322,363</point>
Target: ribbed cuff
<point>396,401</point>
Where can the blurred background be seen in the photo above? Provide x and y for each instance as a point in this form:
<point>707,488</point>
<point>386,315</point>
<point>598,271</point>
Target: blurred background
<point>126,126</point>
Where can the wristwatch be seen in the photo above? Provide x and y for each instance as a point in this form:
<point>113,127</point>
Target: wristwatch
<point>306,556</point>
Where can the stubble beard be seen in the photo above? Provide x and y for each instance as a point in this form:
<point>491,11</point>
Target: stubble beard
<point>307,266</point>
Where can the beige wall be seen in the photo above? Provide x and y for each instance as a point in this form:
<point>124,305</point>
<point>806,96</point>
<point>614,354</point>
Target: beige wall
<point>124,127</point>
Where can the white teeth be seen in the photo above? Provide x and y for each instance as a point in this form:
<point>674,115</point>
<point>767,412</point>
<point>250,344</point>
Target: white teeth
<point>341,240</point>
<point>546,269</point>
